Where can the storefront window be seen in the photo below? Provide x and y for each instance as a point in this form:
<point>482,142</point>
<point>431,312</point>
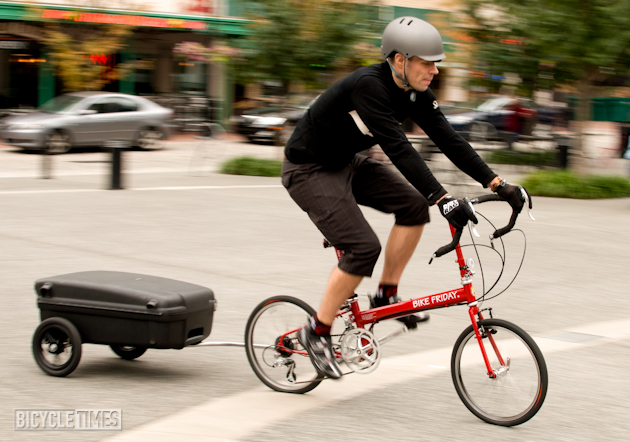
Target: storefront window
<point>19,69</point>
<point>191,77</point>
<point>145,66</point>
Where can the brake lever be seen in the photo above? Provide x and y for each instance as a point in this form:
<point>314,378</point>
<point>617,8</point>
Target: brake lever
<point>474,212</point>
<point>528,202</point>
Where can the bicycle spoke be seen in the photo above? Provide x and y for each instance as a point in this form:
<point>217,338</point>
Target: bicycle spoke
<point>272,347</point>
<point>516,392</point>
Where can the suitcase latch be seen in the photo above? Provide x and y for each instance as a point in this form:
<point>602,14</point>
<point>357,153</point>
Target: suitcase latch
<point>152,304</point>
<point>46,290</point>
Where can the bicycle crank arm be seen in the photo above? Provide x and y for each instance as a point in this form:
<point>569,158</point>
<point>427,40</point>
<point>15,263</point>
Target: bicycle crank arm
<point>393,334</point>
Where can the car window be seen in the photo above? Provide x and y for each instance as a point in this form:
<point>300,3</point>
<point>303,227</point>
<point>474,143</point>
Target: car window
<point>99,107</point>
<point>506,105</point>
<point>60,105</point>
<point>494,104</point>
<point>110,105</point>
<point>125,105</point>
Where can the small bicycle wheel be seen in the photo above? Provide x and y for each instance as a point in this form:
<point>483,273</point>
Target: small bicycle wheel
<point>273,350</point>
<point>128,352</point>
<point>57,346</point>
<point>517,390</point>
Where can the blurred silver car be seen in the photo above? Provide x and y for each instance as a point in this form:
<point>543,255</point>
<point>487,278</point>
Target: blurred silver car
<point>274,123</point>
<point>89,119</point>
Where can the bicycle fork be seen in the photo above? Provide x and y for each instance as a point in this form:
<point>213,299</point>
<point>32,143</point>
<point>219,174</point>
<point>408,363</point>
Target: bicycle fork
<point>479,335</point>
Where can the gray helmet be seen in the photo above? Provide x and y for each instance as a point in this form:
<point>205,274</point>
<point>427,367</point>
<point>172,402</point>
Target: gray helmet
<point>411,36</point>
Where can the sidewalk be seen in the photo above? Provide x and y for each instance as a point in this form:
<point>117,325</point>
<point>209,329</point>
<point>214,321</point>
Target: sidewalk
<point>184,153</point>
<point>189,155</point>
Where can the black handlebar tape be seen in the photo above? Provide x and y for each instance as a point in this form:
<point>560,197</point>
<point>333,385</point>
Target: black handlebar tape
<point>451,246</point>
<point>485,198</point>
<point>494,197</point>
<point>497,233</point>
<point>503,230</point>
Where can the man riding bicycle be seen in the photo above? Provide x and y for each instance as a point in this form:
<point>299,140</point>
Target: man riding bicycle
<point>328,178</point>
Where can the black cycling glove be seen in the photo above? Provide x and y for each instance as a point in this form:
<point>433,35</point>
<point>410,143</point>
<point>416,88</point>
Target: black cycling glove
<point>457,212</point>
<point>513,195</point>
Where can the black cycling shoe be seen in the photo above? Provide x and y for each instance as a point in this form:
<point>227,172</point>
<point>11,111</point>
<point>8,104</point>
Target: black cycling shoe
<point>320,350</point>
<point>411,321</point>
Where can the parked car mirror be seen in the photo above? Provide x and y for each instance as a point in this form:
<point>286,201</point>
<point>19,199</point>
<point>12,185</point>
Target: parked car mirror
<point>87,112</point>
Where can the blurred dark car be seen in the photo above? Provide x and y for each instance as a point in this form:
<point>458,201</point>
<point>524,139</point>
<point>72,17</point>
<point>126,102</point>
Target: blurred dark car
<point>272,123</point>
<point>89,119</point>
<point>497,114</point>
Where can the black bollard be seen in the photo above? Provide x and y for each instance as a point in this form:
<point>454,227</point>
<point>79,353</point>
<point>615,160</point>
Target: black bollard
<point>116,169</point>
<point>563,145</point>
<point>116,147</point>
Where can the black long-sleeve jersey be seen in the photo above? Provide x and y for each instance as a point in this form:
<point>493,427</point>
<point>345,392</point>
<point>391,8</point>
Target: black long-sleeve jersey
<point>329,135</point>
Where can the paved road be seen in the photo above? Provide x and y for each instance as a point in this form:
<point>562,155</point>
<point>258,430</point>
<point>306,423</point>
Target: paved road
<point>244,238</point>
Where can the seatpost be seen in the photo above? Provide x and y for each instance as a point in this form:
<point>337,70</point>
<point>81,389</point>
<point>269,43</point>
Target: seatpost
<point>338,252</point>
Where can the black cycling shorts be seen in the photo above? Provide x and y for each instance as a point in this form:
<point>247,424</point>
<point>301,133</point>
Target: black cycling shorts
<point>331,199</point>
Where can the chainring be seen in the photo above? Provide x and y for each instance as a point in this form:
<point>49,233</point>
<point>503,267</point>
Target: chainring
<point>360,350</point>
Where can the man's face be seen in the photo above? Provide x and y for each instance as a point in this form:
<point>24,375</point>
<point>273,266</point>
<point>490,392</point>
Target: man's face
<point>419,72</point>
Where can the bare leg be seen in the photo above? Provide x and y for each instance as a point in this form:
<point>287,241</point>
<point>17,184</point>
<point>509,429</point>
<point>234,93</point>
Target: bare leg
<point>401,244</point>
<point>341,286</point>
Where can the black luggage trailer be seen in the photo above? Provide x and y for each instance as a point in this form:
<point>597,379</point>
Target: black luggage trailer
<point>129,312</point>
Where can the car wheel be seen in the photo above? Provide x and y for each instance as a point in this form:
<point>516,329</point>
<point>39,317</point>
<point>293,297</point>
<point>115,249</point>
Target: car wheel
<point>57,142</point>
<point>481,131</point>
<point>150,139</point>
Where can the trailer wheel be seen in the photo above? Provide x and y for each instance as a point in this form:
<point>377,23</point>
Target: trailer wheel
<point>57,346</point>
<point>128,352</point>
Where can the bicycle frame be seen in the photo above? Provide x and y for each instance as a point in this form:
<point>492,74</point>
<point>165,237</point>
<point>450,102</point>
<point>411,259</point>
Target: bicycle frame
<point>518,373</point>
<point>460,296</point>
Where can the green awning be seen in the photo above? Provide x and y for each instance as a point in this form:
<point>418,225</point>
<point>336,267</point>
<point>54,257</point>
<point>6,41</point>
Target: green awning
<point>64,14</point>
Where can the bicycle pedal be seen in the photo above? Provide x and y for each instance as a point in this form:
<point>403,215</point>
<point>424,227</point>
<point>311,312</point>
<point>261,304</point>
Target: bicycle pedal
<point>412,321</point>
<point>411,326</point>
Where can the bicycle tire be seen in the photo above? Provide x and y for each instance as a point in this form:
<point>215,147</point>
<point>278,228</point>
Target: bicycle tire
<point>518,392</point>
<point>268,322</point>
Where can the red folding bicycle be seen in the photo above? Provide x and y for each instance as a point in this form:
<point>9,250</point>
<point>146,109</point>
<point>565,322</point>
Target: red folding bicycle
<point>498,370</point>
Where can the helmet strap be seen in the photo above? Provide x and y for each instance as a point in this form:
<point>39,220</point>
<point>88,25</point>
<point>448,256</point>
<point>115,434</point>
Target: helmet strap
<point>412,97</point>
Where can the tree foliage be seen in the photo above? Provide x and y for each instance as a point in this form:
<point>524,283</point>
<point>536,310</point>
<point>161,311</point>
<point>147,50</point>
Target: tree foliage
<point>549,43</point>
<point>295,40</point>
<point>73,56</point>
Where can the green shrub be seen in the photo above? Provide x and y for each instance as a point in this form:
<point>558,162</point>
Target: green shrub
<point>520,158</point>
<point>566,184</point>
<point>252,166</point>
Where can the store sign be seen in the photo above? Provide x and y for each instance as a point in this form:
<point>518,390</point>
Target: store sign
<point>100,59</point>
<point>14,44</point>
<point>199,7</point>
<point>130,20</point>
